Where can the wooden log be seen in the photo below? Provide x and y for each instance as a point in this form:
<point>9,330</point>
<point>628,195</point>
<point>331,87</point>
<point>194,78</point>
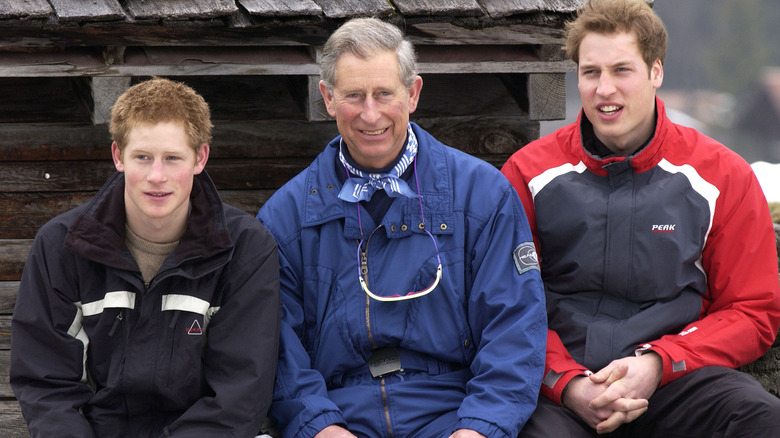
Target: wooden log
<point>105,91</point>
<point>13,254</point>
<point>24,213</point>
<point>242,139</point>
<point>547,96</point>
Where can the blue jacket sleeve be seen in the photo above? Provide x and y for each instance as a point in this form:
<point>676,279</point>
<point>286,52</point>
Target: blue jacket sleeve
<point>301,407</point>
<point>506,311</point>
<point>46,324</point>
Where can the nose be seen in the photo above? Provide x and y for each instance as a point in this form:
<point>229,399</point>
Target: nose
<point>606,85</point>
<point>156,172</point>
<point>370,113</point>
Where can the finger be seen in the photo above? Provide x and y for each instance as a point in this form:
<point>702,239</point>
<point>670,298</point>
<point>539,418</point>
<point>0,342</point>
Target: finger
<point>610,424</point>
<point>633,415</point>
<point>610,374</point>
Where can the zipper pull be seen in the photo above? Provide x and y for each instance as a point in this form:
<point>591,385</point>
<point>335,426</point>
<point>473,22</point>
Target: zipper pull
<point>116,324</point>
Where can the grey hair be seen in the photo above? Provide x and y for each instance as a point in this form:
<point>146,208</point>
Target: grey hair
<point>364,37</point>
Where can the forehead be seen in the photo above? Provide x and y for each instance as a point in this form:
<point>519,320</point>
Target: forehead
<point>163,134</point>
<point>612,47</point>
<point>381,67</point>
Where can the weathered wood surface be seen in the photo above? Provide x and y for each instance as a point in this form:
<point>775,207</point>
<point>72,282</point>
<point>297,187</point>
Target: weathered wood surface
<point>281,8</point>
<point>30,9</point>
<point>95,10</point>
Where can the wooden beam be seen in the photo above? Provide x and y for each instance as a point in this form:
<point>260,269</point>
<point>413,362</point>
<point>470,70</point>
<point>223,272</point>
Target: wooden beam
<point>105,91</point>
<point>315,104</point>
<point>547,96</point>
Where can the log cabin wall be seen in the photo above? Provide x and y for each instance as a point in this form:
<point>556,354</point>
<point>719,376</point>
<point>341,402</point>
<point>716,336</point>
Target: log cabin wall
<point>492,69</point>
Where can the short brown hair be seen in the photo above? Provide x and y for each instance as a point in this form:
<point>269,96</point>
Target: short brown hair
<point>160,100</point>
<point>610,16</point>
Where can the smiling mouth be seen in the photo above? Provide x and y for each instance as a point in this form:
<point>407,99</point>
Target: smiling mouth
<point>377,132</point>
<point>610,109</point>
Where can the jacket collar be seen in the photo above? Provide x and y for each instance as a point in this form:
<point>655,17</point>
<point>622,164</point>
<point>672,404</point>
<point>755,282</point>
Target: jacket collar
<point>98,233</point>
<point>322,186</point>
<point>646,158</point>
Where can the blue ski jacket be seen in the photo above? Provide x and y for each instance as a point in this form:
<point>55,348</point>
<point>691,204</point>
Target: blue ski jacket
<point>471,351</point>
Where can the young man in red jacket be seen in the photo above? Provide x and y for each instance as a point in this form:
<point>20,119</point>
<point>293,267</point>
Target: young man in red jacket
<point>657,251</point>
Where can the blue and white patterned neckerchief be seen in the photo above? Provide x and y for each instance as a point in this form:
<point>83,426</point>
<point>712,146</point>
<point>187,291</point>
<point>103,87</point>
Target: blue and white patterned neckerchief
<point>363,185</point>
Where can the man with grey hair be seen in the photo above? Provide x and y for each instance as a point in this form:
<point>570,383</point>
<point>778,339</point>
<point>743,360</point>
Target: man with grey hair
<point>412,300</point>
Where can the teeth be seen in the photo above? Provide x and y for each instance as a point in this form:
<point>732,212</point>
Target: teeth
<point>374,132</point>
<point>609,108</point>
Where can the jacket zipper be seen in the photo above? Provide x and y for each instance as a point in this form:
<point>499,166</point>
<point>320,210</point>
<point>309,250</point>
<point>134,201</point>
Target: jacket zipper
<point>364,273</point>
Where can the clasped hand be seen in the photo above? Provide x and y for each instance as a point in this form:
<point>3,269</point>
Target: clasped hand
<point>617,394</point>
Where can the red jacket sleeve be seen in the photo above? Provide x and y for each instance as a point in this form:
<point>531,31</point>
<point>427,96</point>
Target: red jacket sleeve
<point>741,312</point>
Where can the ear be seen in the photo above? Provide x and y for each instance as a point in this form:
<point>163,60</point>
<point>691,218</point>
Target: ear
<point>657,73</point>
<point>327,96</point>
<point>201,158</point>
<point>414,93</point>
<point>116,154</point>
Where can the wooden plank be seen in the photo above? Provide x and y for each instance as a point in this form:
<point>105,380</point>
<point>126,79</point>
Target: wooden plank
<point>11,419</point>
<point>355,8</point>
<point>438,33</point>
<point>439,7</point>
<point>13,254</point>
<point>92,10</point>
<point>22,214</point>
<point>180,9</point>
<point>242,139</point>
<point>281,8</point>
<point>54,142</point>
<point>26,9</point>
<point>316,111</point>
<point>8,291</point>
<point>5,338</point>
<point>59,176</point>
<point>224,69</point>
<point>503,8</point>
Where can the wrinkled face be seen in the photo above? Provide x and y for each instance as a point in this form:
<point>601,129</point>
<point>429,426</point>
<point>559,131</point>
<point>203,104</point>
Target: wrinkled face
<point>159,167</point>
<point>371,107</point>
<point>617,90</point>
